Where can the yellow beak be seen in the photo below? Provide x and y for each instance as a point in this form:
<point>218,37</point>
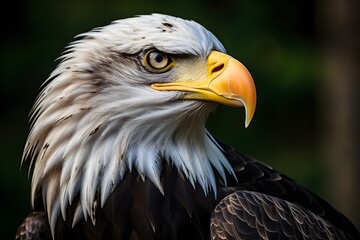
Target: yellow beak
<point>228,82</point>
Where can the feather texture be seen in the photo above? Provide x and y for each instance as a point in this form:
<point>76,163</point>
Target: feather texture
<point>253,215</point>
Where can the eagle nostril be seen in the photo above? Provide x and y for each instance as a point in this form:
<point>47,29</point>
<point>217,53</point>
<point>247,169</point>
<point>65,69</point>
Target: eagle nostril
<point>217,68</point>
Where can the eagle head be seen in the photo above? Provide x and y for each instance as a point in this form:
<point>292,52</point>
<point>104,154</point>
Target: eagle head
<point>126,97</point>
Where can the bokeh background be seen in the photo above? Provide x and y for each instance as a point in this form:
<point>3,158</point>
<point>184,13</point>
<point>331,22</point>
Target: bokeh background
<point>303,55</point>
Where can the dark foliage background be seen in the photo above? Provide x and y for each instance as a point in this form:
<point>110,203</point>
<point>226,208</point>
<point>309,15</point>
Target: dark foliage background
<point>281,43</point>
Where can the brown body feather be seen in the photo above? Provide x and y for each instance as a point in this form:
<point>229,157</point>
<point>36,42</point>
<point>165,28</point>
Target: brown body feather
<point>138,210</point>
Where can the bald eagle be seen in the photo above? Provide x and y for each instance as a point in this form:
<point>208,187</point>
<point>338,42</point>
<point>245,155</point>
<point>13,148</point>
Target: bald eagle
<point>119,150</point>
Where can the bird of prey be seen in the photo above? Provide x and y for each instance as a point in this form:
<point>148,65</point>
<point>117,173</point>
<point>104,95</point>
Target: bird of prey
<point>118,147</point>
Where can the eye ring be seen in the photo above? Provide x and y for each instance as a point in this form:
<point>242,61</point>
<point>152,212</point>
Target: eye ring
<point>158,61</point>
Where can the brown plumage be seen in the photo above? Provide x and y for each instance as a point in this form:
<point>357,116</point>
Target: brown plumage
<point>263,204</point>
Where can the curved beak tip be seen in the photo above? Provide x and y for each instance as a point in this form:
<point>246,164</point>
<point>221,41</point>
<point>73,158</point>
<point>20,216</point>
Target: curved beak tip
<point>248,117</point>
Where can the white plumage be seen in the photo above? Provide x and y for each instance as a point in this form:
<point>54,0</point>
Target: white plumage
<point>98,116</point>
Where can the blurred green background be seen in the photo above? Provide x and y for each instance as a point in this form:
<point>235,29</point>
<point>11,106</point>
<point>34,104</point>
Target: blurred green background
<point>284,44</point>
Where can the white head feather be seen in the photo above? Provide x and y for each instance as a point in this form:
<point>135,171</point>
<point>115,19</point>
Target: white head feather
<point>98,117</point>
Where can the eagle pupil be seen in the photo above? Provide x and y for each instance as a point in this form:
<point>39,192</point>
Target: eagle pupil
<point>159,58</point>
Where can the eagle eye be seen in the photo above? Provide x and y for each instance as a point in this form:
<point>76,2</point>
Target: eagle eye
<point>158,61</point>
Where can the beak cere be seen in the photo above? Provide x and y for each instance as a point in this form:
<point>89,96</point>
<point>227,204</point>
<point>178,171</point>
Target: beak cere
<point>228,82</point>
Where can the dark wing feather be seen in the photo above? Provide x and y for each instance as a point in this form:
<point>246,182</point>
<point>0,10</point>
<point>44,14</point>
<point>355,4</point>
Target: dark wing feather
<point>257,178</point>
<point>252,215</point>
<point>34,227</point>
